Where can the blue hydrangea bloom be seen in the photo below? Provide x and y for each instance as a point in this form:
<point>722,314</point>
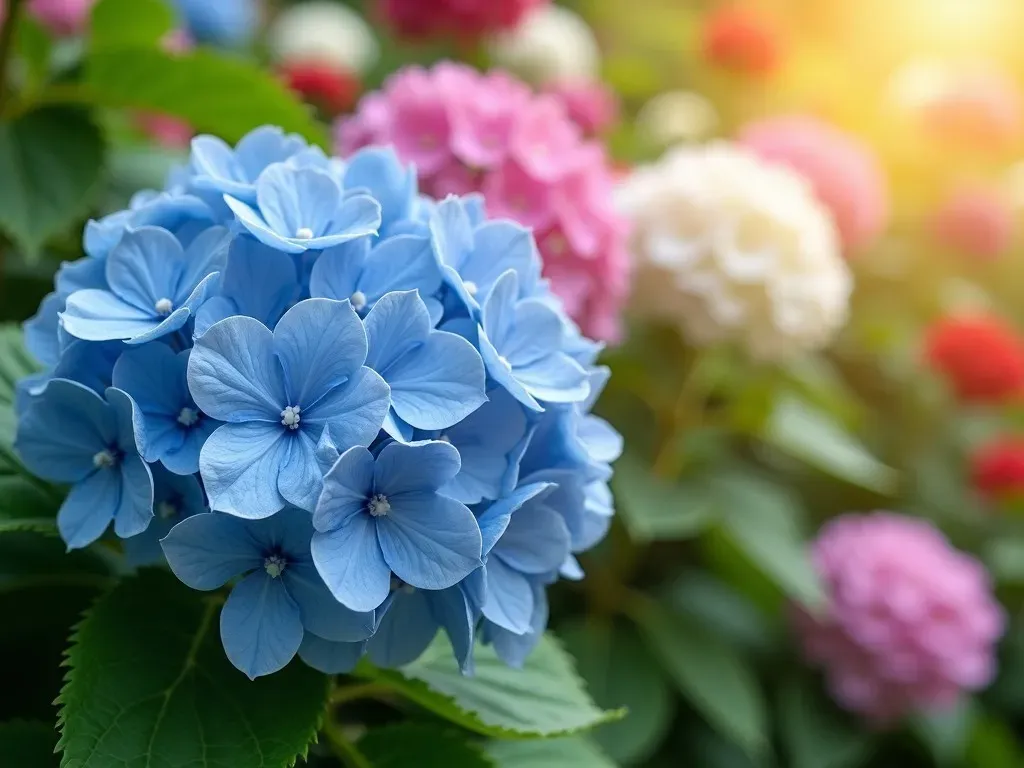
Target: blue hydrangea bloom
<point>175,428</point>
<point>278,391</point>
<point>175,497</point>
<point>303,209</point>
<point>384,515</point>
<point>281,595</point>
<point>70,434</point>
<point>379,171</point>
<point>227,23</point>
<point>216,167</point>
<point>182,214</point>
<point>405,349</point>
<point>328,656</point>
<point>155,287</point>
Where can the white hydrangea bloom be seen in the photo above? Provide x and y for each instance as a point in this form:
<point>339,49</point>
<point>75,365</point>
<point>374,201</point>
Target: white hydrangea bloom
<point>551,44</point>
<point>735,250</point>
<point>325,32</point>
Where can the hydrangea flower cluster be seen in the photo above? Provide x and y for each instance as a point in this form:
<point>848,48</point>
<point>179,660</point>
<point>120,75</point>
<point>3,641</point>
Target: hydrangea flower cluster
<point>360,407</point>
<point>910,622</point>
<point>467,132</point>
<point>467,19</point>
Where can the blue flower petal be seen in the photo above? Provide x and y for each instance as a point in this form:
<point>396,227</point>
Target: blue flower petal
<point>400,263</point>
<point>260,626</point>
<point>556,378</point>
<point>347,488</point>
<point>207,550</point>
<point>300,480</point>
<point>321,613</point>
<point>509,602</point>
<point>501,373</point>
<point>329,657</point>
<point>337,271</point>
<point>241,465</point>
<point>41,330</point>
<point>89,508</point>
<point>135,508</point>
<point>405,631</point>
<point>353,413</point>
<point>536,540</point>
<point>95,315</point>
<point>453,611</point>
<point>350,561</point>
<point>494,520</point>
<point>415,467</point>
<point>514,649</point>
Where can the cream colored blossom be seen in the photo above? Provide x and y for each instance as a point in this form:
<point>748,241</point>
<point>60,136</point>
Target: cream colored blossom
<point>323,32</point>
<point>551,45</point>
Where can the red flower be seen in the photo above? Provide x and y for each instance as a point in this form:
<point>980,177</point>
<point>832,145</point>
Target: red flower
<point>997,469</point>
<point>982,357</point>
<point>324,85</point>
<point>738,39</point>
<point>465,19</point>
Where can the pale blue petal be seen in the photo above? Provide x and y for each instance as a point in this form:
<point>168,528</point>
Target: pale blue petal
<point>292,199</point>
<point>258,228</point>
<point>89,508</point>
<point>499,310</point>
<point>509,602</point>
<point>90,363</point>
<point>329,657</point>
<point>300,480</point>
<point>536,540</point>
<point>400,263</point>
<point>240,465</point>
<point>359,216</point>
<point>347,489</point>
<point>336,271</point>
<point>601,439</point>
<point>495,519</point>
<point>538,332</point>
<point>398,429</point>
<point>260,281</point>
<point>41,330</point>
<point>556,378</point>
<point>260,626</point>
<point>514,649</point>
<point>80,275</point>
<point>502,374</point>
<point>571,569</point>
<point>154,375</point>
<point>453,612</point>
<point>214,310</point>
<point>321,613</point>
<point>321,343</point>
<point>396,323</point>
<point>429,541</point>
<point>350,562</point>
<point>169,324</point>
<point>95,315</point>
<point>233,374</point>
<point>499,246</point>
<point>207,550</point>
<point>354,412</point>
<point>184,460</point>
<point>206,254</point>
<point>405,631</point>
<point>143,268</point>
<point>414,467</point>
<point>135,509</point>
<point>451,232</point>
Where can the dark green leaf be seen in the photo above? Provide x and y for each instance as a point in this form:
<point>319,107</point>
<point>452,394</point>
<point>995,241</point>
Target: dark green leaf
<point>994,745</point>
<point>654,509</point>
<point>721,609</point>
<point>763,521</point>
<point>620,672</point>
<point>27,745</point>
<point>149,684</point>
<point>947,733</point>
<point>815,735</point>
<point>46,525</point>
<point>127,23</point>
<point>545,698</point>
<point>711,675</point>
<point>50,163</point>
<point>213,92</point>
<point>812,436</point>
<point>568,752</point>
<point>425,746</point>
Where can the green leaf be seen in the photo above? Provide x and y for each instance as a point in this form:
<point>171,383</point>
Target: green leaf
<point>994,745</point>
<point>568,752</point>
<point>809,434</point>
<point>763,521</point>
<point>815,735</point>
<point>127,23</point>
<point>620,672</point>
<point>654,509</point>
<point>711,675</point>
<point>27,745</point>
<point>45,525</point>
<point>34,47</point>
<point>215,93</point>
<point>422,745</point>
<point>544,698</point>
<point>1005,559</point>
<point>721,609</point>
<point>149,684</point>
<point>948,733</point>
<point>50,162</point>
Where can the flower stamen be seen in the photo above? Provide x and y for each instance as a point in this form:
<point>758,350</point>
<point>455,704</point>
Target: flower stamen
<point>303,233</point>
<point>188,416</point>
<point>104,459</point>
<point>164,306</point>
<point>379,505</point>
<point>290,416</point>
<point>275,565</point>
<point>358,300</point>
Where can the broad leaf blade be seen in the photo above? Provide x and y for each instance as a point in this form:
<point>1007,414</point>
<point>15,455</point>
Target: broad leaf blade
<point>121,23</point>
<point>654,509</point>
<point>422,745</point>
<point>149,684</point>
<point>566,752</point>
<point>815,735</point>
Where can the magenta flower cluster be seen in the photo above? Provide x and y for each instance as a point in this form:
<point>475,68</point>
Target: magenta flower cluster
<point>910,623</point>
<point>468,132</point>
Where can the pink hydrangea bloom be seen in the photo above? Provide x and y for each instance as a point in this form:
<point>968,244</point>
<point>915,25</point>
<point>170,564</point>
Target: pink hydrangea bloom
<point>62,17</point>
<point>975,221</point>
<point>593,106</point>
<point>845,174</point>
<point>910,621</point>
<point>467,132</point>
<point>470,19</point>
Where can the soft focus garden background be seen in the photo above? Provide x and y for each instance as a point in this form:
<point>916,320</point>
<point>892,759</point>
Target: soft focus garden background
<point>867,355</point>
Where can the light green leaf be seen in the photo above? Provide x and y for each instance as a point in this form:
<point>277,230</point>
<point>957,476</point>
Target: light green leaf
<point>620,672</point>
<point>994,745</point>
<point>50,163</point>
<point>812,436</point>
<point>27,745</point>
<point>948,733</point>
<point>34,47</point>
<point>763,521</point>
<point>45,525</point>
<point>654,509</point>
<point>126,23</point>
<point>567,752</point>
<point>215,93</point>
<point>545,698</point>
<point>815,735</point>
<point>711,675</point>
<point>150,653</point>
<point>1005,559</point>
<point>422,745</point>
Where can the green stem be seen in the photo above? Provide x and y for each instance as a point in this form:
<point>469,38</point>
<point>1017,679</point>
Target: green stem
<point>7,30</point>
<point>344,749</point>
<point>360,691</point>
<point>689,400</point>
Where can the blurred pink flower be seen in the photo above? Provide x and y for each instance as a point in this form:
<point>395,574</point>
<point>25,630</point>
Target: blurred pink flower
<point>467,19</point>
<point>467,131</point>
<point>593,106</point>
<point>62,17</point>
<point>910,622</point>
<point>976,221</point>
<point>845,174</point>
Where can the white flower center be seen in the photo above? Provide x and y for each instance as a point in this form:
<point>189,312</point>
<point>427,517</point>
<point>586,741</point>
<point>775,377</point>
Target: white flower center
<point>379,505</point>
<point>358,300</point>
<point>505,362</point>
<point>104,459</point>
<point>165,510</point>
<point>303,233</point>
<point>164,306</point>
<point>188,416</point>
<point>290,416</point>
<point>471,287</point>
<point>275,565</point>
